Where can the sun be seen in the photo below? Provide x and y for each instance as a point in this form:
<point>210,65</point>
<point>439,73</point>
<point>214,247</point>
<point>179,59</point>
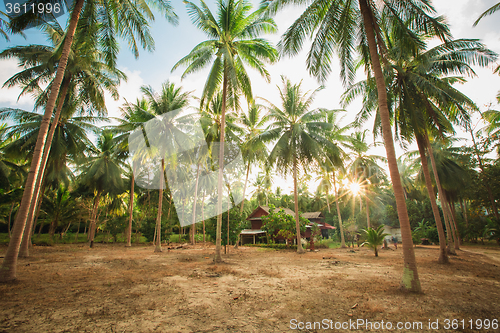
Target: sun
<point>354,188</point>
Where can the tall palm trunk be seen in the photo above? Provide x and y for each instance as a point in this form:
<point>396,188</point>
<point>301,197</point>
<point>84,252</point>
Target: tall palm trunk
<point>443,257</point>
<point>8,268</point>
<point>93,220</point>
<point>160,203</point>
<point>455,223</point>
<point>10,218</point>
<point>367,212</point>
<point>203,216</point>
<point>218,236</point>
<point>342,239</point>
<point>449,230</point>
<point>244,189</point>
<point>38,195</point>
<point>194,205</point>
<point>300,250</point>
<point>410,280</point>
<point>130,211</point>
<point>452,222</point>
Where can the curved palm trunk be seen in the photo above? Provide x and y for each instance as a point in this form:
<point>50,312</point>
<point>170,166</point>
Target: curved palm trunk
<point>443,257</point>
<point>160,204</point>
<point>218,238</point>
<point>130,211</point>
<point>8,269</point>
<point>410,280</point>
<point>342,239</point>
<point>300,250</point>
<point>38,195</point>
<point>244,189</point>
<point>449,230</point>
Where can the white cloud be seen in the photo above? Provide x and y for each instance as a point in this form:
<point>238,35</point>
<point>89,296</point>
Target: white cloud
<point>9,96</point>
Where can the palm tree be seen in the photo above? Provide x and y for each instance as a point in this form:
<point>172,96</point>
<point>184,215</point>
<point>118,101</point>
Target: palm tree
<point>300,136</point>
<point>102,174</point>
<point>337,25</point>
<point>374,238</point>
<point>234,40</point>
<point>109,18</point>
<point>170,101</point>
<point>364,167</point>
<point>420,95</point>
<point>86,77</point>
<point>253,150</point>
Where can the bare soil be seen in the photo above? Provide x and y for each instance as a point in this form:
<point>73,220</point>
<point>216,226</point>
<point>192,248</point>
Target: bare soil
<point>110,288</point>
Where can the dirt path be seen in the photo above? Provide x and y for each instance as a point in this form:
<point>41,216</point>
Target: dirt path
<point>70,288</point>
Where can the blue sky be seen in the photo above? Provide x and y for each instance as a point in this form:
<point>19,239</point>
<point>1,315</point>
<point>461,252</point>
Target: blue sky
<point>174,42</point>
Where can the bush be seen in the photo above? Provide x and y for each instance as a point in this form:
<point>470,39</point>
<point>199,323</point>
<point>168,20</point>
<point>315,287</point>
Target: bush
<point>432,235</point>
<point>275,246</point>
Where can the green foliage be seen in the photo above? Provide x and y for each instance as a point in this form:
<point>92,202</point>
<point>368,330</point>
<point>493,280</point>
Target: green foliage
<point>374,238</point>
<point>279,223</point>
<point>236,224</point>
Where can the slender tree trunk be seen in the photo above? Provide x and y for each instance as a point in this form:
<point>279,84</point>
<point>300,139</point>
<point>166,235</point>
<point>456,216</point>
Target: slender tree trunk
<point>203,216</point>
<point>92,227</point>
<point>160,202</point>
<point>453,224</point>
<point>39,188</point>
<point>449,230</point>
<point>194,204</point>
<point>10,218</point>
<point>244,190</point>
<point>454,216</point>
<point>443,257</point>
<point>39,206</point>
<point>342,239</point>
<point>8,268</point>
<point>410,280</point>
<point>300,250</point>
<point>481,166</point>
<point>464,213</point>
<point>130,211</point>
<point>367,211</point>
<point>228,208</point>
<point>218,240</point>
<point>77,232</point>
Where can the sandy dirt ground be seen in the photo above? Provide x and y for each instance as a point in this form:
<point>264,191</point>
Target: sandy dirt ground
<point>110,288</point>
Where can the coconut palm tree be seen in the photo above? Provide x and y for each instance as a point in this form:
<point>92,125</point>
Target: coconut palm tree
<point>134,116</point>
<point>364,167</point>
<point>374,238</point>
<point>102,174</point>
<point>253,150</point>
<point>299,134</point>
<point>111,17</point>
<point>421,95</point>
<point>337,26</point>
<point>234,41</point>
<point>85,81</point>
